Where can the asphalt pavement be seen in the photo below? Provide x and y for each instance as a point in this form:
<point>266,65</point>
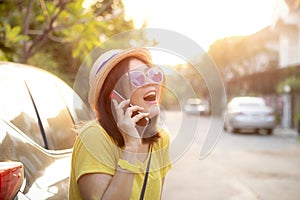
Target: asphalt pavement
<point>241,166</point>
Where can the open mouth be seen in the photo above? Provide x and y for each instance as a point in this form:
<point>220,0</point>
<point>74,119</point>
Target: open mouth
<point>150,96</point>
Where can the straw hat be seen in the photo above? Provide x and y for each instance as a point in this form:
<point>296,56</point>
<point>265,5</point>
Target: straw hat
<point>105,63</point>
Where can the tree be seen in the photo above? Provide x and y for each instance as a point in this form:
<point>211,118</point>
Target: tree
<point>226,53</point>
<point>245,55</point>
<point>56,35</point>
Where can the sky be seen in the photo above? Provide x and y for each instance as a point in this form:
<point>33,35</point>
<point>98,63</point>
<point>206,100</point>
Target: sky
<point>203,21</point>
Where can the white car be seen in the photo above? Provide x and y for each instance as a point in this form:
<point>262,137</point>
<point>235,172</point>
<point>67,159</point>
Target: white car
<point>38,116</point>
<point>196,106</point>
<point>245,113</point>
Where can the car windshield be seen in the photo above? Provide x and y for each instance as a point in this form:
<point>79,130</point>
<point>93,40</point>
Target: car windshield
<point>247,102</point>
<point>251,104</point>
<point>194,101</point>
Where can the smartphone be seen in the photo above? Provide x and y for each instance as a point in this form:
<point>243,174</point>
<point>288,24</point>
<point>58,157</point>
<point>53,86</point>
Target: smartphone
<point>117,96</point>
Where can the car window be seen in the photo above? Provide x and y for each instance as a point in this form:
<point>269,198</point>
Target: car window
<point>42,104</point>
<point>77,107</point>
<point>55,115</point>
<point>246,102</point>
<point>251,104</point>
<point>16,107</point>
<point>194,101</point>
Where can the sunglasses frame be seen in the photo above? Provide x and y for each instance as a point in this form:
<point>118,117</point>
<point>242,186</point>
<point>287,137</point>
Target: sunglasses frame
<point>146,75</point>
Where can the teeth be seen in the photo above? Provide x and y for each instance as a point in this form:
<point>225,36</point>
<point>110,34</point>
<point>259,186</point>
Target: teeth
<point>151,96</point>
<point>151,93</point>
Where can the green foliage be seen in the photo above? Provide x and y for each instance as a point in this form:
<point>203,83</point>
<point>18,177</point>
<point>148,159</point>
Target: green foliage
<point>297,117</point>
<point>44,61</point>
<point>57,35</point>
<point>11,39</point>
<point>293,82</point>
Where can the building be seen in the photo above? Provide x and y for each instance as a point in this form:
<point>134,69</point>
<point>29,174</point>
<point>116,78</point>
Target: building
<point>286,23</point>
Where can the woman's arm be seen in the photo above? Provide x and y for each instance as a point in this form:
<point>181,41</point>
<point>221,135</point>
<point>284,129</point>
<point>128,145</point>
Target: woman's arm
<point>104,186</point>
<point>92,186</point>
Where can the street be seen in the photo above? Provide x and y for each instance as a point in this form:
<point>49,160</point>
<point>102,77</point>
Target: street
<point>241,166</point>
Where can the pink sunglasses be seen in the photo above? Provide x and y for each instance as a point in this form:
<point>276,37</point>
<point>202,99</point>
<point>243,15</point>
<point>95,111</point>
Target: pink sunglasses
<point>138,78</point>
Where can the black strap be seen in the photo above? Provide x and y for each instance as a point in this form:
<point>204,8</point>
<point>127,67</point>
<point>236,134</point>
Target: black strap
<point>146,176</point>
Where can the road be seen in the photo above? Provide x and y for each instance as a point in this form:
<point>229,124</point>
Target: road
<point>240,166</point>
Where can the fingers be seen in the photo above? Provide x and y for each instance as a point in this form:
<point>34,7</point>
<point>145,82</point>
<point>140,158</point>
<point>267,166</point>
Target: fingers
<point>134,112</point>
<point>133,109</point>
<point>127,118</point>
<point>124,103</point>
<point>119,107</point>
<point>122,106</point>
<point>140,116</point>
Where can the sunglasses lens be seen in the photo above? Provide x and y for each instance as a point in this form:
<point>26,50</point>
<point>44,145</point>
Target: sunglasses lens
<point>137,78</point>
<point>155,75</point>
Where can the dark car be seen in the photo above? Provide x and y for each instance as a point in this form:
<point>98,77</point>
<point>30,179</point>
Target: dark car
<point>38,114</point>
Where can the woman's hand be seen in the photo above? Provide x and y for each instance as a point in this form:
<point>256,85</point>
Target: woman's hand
<point>127,123</point>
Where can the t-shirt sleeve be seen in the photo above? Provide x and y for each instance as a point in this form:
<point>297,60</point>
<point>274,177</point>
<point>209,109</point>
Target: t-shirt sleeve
<point>93,152</point>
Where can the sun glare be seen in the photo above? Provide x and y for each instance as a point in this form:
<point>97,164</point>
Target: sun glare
<point>203,21</point>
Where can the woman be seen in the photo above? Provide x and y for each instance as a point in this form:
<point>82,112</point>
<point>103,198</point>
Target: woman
<point>122,154</point>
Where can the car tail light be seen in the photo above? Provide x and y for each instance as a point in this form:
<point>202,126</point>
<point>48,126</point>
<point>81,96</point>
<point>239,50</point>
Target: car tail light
<point>11,178</point>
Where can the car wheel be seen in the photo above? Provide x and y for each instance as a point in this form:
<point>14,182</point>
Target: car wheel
<point>235,130</point>
<point>269,131</point>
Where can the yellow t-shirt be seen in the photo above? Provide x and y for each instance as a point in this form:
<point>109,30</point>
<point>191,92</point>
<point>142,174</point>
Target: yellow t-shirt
<point>95,152</point>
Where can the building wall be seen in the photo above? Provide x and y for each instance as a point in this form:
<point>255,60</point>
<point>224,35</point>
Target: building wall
<point>287,24</point>
<point>289,47</point>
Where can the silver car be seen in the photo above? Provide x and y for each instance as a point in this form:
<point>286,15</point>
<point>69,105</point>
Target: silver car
<point>245,113</point>
<point>196,106</point>
<point>38,114</point>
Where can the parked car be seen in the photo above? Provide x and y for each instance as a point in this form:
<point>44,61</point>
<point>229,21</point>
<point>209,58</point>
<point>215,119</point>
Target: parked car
<point>249,113</point>
<point>38,114</point>
<point>196,106</point>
